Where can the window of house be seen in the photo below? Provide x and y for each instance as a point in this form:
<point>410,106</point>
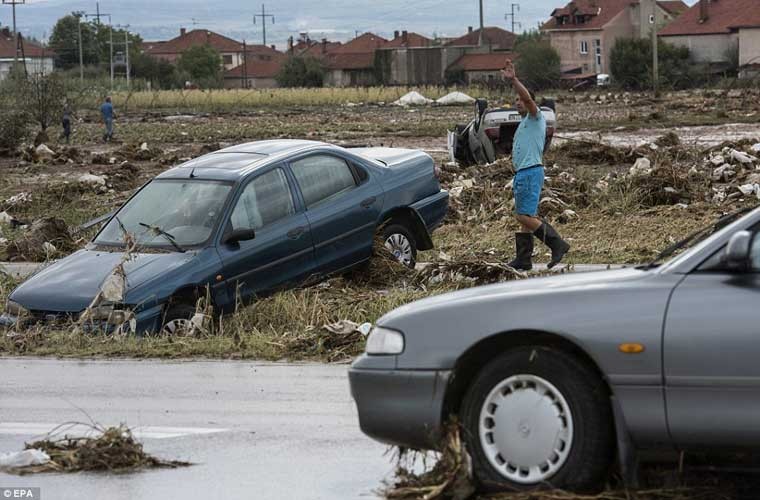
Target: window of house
<point>265,200</point>
<point>321,177</point>
<point>584,47</point>
<point>227,58</point>
<point>598,53</point>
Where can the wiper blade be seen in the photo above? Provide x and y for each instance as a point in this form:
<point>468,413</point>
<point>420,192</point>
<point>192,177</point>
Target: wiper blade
<point>157,230</point>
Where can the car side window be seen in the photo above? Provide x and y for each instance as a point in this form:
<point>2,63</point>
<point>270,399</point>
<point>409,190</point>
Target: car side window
<point>715,262</point>
<point>322,177</point>
<point>265,200</point>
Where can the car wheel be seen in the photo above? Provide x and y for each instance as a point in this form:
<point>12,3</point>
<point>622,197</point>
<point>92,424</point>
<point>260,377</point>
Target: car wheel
<point>177,321</point>
<point>401,243</point>
<point>536,417</point>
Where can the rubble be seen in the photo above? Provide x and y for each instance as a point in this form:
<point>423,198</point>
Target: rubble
<point>642,167</point>
<point>30,246</point>
<point>43,152</point>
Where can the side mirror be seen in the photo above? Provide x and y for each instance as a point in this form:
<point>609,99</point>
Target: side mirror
<point>239,235</point>
<point>736,255</point>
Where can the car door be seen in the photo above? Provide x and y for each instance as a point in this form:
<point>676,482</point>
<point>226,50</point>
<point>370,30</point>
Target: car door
<point>281,253</point>
<point>343,205</point>
<point>711,355</point>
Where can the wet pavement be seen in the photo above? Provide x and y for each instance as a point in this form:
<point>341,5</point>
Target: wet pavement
<point>254,430</point>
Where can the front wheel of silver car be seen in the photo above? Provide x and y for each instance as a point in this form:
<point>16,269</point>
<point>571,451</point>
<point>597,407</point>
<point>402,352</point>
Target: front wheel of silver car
<point>536,417</point>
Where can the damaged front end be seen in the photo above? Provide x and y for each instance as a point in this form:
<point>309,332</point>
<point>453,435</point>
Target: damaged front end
<point>14,315</point>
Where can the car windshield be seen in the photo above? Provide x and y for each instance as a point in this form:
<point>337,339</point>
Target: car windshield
<point>185,210</point>
<point>697,237</point>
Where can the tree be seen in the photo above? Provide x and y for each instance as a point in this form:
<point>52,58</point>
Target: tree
<point>300,71</point>
<point>162,74</point>
<point>204,65</point>
<point>538,64</point>
<point>631,64</point>
<point>64,40</point>
<point>44,98</point>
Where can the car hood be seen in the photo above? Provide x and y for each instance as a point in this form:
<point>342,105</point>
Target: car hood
<point>534,286</point>
<point>70,284</point>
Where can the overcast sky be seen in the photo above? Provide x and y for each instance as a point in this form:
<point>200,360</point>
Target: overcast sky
<point>336,19</point>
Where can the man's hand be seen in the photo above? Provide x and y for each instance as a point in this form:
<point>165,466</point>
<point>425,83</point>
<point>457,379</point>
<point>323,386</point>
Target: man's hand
<point>509,71</point>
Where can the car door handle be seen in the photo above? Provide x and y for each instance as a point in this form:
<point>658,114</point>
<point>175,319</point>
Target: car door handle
<point>368,202</point>
<point>296,233</point>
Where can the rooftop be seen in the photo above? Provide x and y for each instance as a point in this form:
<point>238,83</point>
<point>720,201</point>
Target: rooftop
<point>723,16</point>
<point>31,49</point>
<point>482,62</point>
<point>499,39</point>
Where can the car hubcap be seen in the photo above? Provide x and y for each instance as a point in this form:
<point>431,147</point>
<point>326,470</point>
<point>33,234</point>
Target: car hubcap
<point>401,248</point>
<point>526,429</point>
<point>178,327</point>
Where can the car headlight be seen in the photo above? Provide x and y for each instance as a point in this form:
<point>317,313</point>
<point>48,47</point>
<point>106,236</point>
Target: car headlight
<point>15,309</point>
<point>384,341</point>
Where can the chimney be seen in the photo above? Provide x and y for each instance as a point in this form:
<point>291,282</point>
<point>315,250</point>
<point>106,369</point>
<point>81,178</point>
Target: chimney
<point>702,11</point>
<point>395,34</point>
<point>404,36</point>
<point>272,47</point>
<point>182,31</point>
<point>469,29</point>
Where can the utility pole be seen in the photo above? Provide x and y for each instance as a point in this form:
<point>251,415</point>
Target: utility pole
<point>97,16</point>
<point>245,66</point>
<point>512,15</point>
<point>263,17</point>
<point>655,61</point>
<point>480,33</point>
<point>125,27</point>
<point>13,4</point>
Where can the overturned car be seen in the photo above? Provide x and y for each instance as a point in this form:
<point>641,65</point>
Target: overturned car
<point>234,225</point>
<point>489,135</point>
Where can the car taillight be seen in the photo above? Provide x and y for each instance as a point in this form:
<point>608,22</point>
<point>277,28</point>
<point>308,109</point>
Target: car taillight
<point>492,133</point>
<point>436,171</point>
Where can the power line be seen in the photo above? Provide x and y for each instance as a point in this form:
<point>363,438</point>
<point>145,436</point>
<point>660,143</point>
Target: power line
<point>13,4</point>
<point>263,17</point>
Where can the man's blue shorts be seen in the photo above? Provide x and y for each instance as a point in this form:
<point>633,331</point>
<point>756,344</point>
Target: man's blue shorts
<point>527,187</point>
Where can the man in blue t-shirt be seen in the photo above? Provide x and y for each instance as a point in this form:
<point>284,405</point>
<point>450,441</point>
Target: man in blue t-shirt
<point>106,111</point>
<point>527,159</point>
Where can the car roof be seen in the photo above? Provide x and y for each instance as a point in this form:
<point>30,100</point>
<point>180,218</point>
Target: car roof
<point>235,162</point>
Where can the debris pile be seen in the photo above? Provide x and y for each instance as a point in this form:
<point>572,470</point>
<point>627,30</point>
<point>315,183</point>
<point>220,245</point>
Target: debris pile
<point>339,341</point>
<point>43,240</point>
<point>113,449</point>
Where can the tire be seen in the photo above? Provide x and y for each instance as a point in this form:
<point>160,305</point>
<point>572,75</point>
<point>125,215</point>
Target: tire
<point>575,449</point>
<point>177,319</point>
<point>402,244</point>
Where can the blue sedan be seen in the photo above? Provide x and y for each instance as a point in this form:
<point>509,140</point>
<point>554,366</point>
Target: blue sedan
<point>242,222</point>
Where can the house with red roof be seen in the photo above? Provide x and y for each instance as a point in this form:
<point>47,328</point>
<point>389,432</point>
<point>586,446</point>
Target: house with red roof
<point>481,67</point>
<point>38,59</point>
<point>230,50</point>
<point>719,32</point>
<point>257,70</point>
<point>353,63</point>
<point>583,32</point>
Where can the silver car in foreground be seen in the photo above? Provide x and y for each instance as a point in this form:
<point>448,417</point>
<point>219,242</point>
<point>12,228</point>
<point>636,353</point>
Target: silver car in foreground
<point>550,377</point>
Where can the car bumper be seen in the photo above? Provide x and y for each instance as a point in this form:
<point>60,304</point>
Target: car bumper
<point>400,407</point>
<point>148,320</point>
<point>433,209</point>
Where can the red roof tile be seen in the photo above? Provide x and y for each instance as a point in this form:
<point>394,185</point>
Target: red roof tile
<point>314,48</point>
<point>359,60</point>
<point>408,40</point>
<point>192,38</point>
<point>723,16</point>
<point>367,42</point>
<point>675,7</point>
<point>600,11</point>
<point>31,49</point>
<point>482,62</point>
<point>496,37</point>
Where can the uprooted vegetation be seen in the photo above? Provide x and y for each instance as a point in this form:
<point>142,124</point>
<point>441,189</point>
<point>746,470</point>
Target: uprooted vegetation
<point>447,475</point>
<point>112,449</point>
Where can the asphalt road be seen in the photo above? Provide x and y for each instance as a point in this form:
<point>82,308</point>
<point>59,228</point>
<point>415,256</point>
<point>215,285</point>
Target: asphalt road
<point>254,430</point>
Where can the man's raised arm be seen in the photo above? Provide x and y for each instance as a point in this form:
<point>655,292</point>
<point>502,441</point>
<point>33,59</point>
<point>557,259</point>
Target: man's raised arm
<point>509,74</point>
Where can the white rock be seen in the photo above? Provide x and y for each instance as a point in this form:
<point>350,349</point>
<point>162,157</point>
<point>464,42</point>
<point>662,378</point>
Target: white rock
<point>96,180</point>
<point>569,215</point>
<point>642,167</point>
<point>112,160</point>
<point>756,148</point>
<point>49,248</point>
<point>717,160</point>
<point>669,189</point>
<point>741,156</point>
<point>456,191</point>
<point>144,146</point>
<point>44,152</point>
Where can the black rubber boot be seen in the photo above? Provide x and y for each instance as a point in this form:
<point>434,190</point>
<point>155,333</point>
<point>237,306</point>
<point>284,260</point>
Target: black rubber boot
<point>524,245</point>
<point>551,238</point>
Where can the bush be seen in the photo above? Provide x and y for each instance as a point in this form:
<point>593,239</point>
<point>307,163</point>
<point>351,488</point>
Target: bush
<point>631,65</point>
<point>14,120</point>
<point>538,64</point>
<point>204,64</point>
<point>301,72</point>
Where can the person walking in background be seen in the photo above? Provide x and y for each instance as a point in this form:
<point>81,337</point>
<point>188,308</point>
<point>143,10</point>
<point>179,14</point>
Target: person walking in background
<point>527,159</point>
<point>106,111</point>
<point>66,123</point>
